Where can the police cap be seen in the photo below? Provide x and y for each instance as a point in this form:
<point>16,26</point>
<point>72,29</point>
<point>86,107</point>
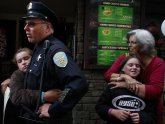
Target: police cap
<point>41,11</point>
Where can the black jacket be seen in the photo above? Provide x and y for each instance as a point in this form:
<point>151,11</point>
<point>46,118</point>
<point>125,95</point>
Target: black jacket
<point>120,98</point>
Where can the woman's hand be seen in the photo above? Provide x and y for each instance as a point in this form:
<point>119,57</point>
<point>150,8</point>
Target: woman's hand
<point>117,81</point>
<point>131,82</point>
<point>125,81</point>
<point>116,78</point>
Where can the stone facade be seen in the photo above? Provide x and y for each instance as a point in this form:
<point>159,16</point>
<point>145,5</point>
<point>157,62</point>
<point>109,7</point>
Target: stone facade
<point>84,112</point>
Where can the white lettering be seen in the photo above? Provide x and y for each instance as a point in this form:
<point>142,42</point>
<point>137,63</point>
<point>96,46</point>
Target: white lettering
<point>127,103</point>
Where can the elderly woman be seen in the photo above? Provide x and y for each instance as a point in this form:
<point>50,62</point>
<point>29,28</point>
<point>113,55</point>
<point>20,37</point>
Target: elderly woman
<point>142,43</point>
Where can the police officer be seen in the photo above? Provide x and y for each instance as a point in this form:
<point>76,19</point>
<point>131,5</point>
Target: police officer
<point>51,67</point>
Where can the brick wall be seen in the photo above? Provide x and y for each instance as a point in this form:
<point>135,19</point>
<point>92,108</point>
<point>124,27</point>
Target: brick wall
<point>84,112</point>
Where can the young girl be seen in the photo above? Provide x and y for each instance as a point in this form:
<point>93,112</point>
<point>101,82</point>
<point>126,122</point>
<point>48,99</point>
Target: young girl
<point>121,106</point>
<point>18,95</point>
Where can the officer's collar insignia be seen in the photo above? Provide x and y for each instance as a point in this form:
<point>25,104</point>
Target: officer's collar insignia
<point>39,57</point>
<point>60,59</point>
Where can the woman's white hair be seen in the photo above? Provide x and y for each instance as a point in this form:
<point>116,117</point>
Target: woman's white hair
<point>144,40</point>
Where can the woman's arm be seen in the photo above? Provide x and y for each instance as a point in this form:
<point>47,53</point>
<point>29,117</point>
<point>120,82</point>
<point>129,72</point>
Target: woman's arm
<point>154,79</point>
<point>125,81</point>
<point>153,84</point>
<point>114,68</point>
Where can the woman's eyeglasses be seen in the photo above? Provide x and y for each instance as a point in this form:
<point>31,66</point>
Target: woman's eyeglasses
<point>131,42</point>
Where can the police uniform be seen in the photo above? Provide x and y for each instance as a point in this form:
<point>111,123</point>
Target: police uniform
<point>53,66</point>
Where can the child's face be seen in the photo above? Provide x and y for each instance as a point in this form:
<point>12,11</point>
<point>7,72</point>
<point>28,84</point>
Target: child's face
<point>132,67</point>
<point>23,60</point>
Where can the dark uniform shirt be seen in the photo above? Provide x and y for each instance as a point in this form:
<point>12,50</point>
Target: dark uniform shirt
<point>120,98</point>
<point>59,72</point>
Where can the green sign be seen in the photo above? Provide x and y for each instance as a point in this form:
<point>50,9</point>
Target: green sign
<point>107,57</point>
<point>115,20</point>
<point>106,24</point>
<point>115,14</point>
<point>112,36</point>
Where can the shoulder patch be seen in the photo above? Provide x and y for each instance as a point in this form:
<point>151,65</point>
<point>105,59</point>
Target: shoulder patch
<point>60,59</point>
